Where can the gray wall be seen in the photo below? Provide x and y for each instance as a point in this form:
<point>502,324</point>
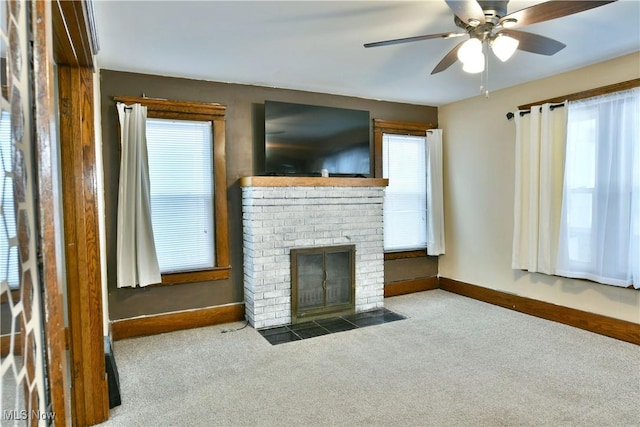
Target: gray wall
<point>244,138</point>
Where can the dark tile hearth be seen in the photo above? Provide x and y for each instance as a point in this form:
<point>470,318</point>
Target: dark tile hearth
<point>301,331</point>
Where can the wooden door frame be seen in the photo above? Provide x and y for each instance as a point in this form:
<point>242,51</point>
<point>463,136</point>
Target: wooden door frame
<point>74,47</point>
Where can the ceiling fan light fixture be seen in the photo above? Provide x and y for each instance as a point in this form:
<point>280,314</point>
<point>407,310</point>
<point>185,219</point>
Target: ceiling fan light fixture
<point>469,50</point>
<point>509,22</point>
<point>473,22</point>
<point>474,64</point>
<point>504,46</point>
<point>487,21</point>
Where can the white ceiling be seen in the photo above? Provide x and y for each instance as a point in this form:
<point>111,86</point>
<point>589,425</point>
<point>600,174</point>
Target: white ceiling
<point>317,45</point>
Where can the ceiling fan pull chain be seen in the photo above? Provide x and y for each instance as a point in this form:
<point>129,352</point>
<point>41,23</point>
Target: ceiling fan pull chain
<point>486,79</point>
<point>484,75</point>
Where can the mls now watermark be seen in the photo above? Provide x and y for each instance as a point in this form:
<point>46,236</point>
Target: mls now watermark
<point>17,415</point>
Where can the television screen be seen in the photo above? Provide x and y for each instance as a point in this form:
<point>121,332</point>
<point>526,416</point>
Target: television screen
<point>304,139</point>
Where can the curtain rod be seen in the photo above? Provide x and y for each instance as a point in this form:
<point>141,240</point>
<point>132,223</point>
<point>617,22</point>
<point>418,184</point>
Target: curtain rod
<point>510,115</point>
<point>144,96</point>
<point>126,107</point>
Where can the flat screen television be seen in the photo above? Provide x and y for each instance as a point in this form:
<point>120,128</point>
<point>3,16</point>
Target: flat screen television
<point>303,139</point>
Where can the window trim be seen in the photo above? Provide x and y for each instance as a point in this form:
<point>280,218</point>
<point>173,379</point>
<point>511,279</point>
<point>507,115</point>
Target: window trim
<point>215,114</point>
<point>616,87</point>
<point>417,253</point>
<point>381,127</point>
<point>395,127</point>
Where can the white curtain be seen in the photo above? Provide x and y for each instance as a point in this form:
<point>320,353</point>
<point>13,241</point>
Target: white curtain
<point>137,262</point>
<point>540,144</point>
<point>435,199</point>
<point>600,228</point>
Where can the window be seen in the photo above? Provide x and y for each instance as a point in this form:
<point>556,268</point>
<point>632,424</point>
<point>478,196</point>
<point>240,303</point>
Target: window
<point>600,222</point>
<point>405,201</point>
<point>580,185</point>
<point>181,176</point>
<point>400,154</point>
<point>187,174</point>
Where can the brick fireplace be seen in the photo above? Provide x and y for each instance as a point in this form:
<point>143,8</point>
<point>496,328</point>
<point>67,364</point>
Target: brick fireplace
<point>283,213</point>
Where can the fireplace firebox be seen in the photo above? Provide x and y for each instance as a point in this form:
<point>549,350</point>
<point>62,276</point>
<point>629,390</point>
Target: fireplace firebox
<point>322,282</point>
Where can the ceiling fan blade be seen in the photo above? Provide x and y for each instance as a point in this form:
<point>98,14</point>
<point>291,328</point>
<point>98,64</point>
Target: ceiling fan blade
<point>467,10</point>
<point>535,43</point>
<point>414,39</point>
<point>448,59</point>
<point>551,10</point>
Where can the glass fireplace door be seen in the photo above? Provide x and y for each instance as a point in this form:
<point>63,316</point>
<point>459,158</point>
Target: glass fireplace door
<point>310,281</point>
<point>322,282</point>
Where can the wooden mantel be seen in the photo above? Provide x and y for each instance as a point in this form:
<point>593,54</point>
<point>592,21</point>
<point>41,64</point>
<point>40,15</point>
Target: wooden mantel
<point>310,181</point>
<point>288,181</point>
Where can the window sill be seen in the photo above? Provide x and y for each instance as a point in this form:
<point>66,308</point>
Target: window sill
<point>218,273</point>
<point>388,256</point>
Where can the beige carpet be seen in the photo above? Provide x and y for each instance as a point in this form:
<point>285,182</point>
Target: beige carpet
<point>453,362</point>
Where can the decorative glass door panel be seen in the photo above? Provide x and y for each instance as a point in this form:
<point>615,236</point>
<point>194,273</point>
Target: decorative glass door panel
<point>23,392</point>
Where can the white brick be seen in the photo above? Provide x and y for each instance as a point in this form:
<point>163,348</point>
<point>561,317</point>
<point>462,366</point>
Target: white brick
<point>277,219</point>
<point>274,294</point>
<point>283,285</point>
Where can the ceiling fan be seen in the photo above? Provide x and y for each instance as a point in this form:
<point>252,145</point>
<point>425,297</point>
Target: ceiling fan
<point>487,21</point>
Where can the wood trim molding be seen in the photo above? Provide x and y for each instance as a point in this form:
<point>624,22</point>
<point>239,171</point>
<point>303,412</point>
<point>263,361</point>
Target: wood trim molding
<point>380,127</point>
<point>616,87</point>
<point>420,253</point>
<point>287,181</point>
<point>159,106</point>
<point>399,127</point>
<point>169,322</point>
<point>90,399</point>
<point>74,35</point>
<point>220,190</point>
<point>410,286</point>
<point>603,325</point>
<point>218,273</point>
